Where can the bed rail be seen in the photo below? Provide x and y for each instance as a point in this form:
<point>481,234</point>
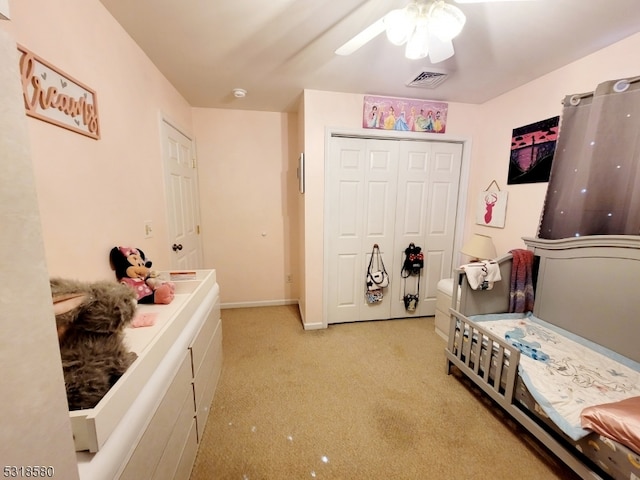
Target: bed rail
<point>492,364</point>
<point>488,360</point>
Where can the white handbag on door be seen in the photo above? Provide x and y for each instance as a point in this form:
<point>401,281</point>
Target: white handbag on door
<point>377,276</point>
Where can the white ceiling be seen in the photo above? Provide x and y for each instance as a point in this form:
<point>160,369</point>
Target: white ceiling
<point>274,49</point>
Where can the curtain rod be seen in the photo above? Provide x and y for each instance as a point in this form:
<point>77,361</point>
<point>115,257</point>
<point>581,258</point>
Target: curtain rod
<point>619,86</point>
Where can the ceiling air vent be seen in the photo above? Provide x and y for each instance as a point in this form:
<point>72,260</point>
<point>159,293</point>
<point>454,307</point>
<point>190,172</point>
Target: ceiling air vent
<point>427,79</point>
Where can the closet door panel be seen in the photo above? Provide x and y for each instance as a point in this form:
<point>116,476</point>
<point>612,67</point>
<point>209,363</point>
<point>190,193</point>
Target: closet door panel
<point>411,216</point>
<point>348,211</point>
<point>437,262</point>
<point>414,214</point>
<point>377,219</point>
<point>345,208</point>
<point>438,209</point>
<point>361,192</point>
<point>443,204</point>
<point>443,200</point>
<point>380,198</point>
<point>380,179</point>
<point>345,281</point>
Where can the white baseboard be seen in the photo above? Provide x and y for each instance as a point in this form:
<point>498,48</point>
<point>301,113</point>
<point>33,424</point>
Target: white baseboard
<point>313,326</point>
<point>265,303</point>
<point>444,336</point>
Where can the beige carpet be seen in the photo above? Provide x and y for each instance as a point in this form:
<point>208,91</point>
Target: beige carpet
<point>368,400</point>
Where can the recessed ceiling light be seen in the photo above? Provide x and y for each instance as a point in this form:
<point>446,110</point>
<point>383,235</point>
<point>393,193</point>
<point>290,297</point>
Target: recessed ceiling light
<point>239,92</point>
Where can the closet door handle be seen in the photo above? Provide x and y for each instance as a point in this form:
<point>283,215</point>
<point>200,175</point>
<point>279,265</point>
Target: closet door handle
<point>176,247</point>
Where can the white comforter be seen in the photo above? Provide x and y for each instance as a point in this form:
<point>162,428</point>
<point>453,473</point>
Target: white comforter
<point>563,372</point>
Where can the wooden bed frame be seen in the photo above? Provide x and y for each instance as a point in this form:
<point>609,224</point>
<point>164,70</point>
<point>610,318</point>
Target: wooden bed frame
<point>586,285</point>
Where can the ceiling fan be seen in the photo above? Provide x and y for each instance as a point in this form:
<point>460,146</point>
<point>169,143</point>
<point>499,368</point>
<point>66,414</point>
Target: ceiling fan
<point>427,27</point>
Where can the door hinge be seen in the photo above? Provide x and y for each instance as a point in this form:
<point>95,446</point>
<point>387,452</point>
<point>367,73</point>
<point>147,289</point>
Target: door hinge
<point>198,229</point>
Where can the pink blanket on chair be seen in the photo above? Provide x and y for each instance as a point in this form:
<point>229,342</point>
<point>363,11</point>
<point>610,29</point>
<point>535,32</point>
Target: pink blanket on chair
<point>521,293</point>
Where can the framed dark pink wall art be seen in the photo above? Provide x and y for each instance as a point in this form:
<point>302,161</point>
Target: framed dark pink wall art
<point>532,149</point>
<point>404,114</point>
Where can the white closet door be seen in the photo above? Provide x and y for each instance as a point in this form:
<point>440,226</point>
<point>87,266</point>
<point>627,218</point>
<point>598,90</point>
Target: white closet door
<point>441,220</point>
<point>361,194</point>
<point>412,209</point>
<point>428,184</point>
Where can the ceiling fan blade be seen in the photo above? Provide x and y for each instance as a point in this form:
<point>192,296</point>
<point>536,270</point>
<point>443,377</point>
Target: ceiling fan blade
<point>439,50</point>
<point>365,36</point>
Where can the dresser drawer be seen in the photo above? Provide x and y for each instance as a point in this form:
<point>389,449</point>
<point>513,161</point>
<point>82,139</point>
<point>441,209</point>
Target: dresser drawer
<point>206,380</point>
<point>202,339</point>
<point>180,437</point>
<point>153,442</point>
<point>188,456</point>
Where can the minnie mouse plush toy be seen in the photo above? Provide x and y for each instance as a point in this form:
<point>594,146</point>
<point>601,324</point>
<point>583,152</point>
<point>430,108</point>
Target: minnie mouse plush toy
<point>133,269</point>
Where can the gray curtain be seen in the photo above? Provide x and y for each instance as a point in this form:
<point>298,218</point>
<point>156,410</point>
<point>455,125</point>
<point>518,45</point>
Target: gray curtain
<point>594,187</point>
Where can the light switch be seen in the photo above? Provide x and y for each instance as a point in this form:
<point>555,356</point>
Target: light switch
<point>148,229</point>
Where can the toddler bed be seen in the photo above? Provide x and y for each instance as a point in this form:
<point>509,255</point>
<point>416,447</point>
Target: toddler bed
<point>584,330</point>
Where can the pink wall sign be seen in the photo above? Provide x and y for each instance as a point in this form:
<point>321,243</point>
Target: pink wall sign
<point>55,97</point>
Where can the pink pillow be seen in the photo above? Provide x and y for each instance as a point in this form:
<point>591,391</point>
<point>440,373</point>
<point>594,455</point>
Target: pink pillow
<point>619,421</point>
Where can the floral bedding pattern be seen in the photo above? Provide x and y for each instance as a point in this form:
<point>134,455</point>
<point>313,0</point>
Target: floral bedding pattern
<point>563,372</point>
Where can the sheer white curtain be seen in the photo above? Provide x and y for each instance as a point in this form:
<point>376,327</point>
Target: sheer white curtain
<point>594,188</point>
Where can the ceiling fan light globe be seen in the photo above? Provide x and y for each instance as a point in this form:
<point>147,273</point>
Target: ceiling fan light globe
<point>446,21</point>
<point>399,25</point>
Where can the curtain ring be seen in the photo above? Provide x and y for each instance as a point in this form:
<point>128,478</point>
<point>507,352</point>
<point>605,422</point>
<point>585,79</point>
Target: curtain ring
<point>574,100</point>
<point>621,86</point>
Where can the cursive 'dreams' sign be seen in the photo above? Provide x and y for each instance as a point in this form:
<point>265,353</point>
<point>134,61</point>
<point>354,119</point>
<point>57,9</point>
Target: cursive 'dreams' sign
<point>53,96</point>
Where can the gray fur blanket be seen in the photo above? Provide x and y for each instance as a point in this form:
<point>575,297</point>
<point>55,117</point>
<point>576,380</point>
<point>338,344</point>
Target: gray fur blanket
<point>90,319</point>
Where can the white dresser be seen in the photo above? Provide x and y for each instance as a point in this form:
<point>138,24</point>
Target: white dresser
<point>443,302</point>
<point>150,423</point>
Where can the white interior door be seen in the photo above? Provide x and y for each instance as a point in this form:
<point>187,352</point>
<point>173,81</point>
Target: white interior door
<point>183,206</point>
<point>392,193</point>
<point>361,179</point>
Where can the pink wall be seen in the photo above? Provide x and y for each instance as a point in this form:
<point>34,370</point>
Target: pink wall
<point>94,194</point>
<point>249,193</point>
<point>534,101</point>
<point>89,201</point>
<point>90,196</point>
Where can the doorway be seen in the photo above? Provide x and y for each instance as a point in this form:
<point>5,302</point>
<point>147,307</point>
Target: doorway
<point>183,205</point>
